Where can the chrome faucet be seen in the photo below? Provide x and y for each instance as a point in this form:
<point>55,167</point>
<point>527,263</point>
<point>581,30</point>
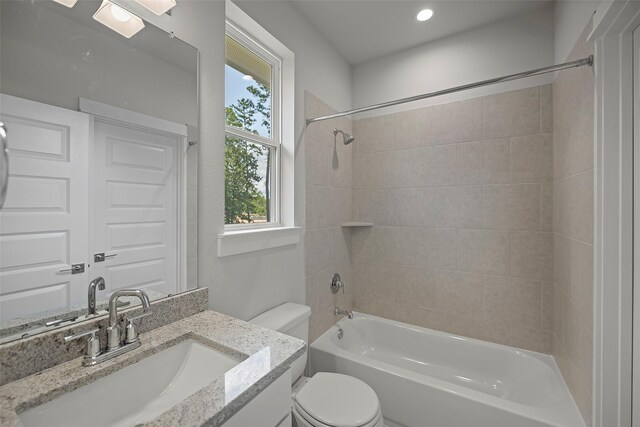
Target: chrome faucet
<point>97,283</point>
<point>337,312</point>
<point>113,331</point>
<point>115,346</point>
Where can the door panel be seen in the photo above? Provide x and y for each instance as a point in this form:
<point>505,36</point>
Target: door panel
<point>38,194</point>
<point>44,223</point>
<point>135,181</point>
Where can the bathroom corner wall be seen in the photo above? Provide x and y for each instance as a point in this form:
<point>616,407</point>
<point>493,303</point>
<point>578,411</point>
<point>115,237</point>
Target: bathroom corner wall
<point>573,232</point>
<point>328,201</point>
<point>461,198</point>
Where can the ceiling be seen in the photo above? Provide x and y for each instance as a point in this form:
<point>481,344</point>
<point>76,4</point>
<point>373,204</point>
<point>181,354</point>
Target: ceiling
<point>362,30</point>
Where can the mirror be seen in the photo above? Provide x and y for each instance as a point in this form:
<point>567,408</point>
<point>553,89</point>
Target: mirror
<point>102,163</point>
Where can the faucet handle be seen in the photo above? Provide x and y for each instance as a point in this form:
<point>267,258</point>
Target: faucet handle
<point>138,317</point>
<point>93,343</point>
<point>336,284</point>
<point>91,332</point>
<point>131,330</point>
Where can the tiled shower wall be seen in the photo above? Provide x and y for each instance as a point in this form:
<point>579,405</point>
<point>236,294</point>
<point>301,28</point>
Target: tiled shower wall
<point>483,219</point>
<point>328,201</point>
<point>573,216</point>
<point>461,198</point>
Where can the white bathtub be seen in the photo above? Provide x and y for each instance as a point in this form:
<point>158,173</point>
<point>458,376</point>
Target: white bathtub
<point>427,378</point>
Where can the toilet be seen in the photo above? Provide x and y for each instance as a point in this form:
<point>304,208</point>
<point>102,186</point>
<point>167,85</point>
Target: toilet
<point>327,399</point>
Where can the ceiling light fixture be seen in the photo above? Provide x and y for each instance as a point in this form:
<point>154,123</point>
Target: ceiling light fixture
<point>158,6</point>
<point>119,13</point>
<point>68,3</point>
<point>424,15</point>
<point>118,19</point>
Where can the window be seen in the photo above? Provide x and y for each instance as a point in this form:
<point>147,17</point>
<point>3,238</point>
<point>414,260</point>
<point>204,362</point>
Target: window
<point>252,132</point>
<point>260,146</point>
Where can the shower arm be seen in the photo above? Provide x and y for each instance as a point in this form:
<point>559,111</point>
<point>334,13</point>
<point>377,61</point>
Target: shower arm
<point>573,64</point>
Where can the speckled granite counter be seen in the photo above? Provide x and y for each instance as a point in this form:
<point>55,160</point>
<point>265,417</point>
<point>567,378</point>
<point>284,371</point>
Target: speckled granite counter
<point>210,406</point>
<point>35,353</point>
<point>36,322</point>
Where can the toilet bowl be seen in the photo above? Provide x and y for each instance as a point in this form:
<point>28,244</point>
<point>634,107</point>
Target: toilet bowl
<point>335,400</point>
<point>327,399</point>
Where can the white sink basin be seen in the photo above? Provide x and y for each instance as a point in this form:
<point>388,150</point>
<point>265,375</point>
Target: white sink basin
<point>138,393</point>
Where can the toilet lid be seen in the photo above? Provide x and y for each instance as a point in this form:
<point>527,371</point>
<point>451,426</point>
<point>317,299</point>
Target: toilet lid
<point>338,400</point>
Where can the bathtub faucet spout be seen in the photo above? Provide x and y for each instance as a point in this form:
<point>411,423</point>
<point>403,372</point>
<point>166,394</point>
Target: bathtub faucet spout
<point>337,312</point>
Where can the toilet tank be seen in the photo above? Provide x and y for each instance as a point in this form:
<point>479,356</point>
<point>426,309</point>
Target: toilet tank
<point>290,319</point>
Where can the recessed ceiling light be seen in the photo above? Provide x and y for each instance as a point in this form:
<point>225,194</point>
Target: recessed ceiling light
<point>118,19</point>
<point>119,13</point>
<point>424,15</point>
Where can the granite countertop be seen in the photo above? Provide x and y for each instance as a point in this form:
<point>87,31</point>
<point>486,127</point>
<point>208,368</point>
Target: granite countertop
<point>35,323</point>
<point>211,406</point>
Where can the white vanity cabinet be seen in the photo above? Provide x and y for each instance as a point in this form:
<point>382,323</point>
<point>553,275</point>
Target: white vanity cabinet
<point>271,408</point>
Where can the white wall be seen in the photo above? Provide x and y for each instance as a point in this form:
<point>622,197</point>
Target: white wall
<point>201,24</point>
<point>245,285</point>
<point>570,18</point>
<point>510,46</point>
<point>319,67</point>
<point>266,278</point>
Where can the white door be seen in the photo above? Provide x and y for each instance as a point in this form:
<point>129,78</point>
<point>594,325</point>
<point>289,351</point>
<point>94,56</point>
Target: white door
<point>44,222</point>
<point>135,210</point>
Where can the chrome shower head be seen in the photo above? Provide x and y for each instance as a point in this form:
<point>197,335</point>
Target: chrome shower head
<point>346,138</point>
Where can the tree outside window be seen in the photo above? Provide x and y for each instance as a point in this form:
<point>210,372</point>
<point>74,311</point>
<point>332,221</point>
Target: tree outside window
<point>247,191</point>
<point>250,146</point>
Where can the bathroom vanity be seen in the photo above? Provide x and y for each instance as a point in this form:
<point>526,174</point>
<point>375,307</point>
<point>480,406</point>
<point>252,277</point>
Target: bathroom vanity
<point>206,369</point>
<point>101,201</point>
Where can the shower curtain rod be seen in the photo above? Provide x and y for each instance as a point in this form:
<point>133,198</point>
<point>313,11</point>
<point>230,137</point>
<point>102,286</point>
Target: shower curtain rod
<point>573,64</point>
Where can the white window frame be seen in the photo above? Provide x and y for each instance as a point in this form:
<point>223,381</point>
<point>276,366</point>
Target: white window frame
<point>275,141</point>
<point>245,238</point>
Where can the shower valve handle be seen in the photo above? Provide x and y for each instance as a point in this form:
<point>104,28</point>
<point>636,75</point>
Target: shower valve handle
<point>336,284</point>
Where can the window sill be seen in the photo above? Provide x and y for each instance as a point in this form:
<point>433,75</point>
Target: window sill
<point>244,241</point>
